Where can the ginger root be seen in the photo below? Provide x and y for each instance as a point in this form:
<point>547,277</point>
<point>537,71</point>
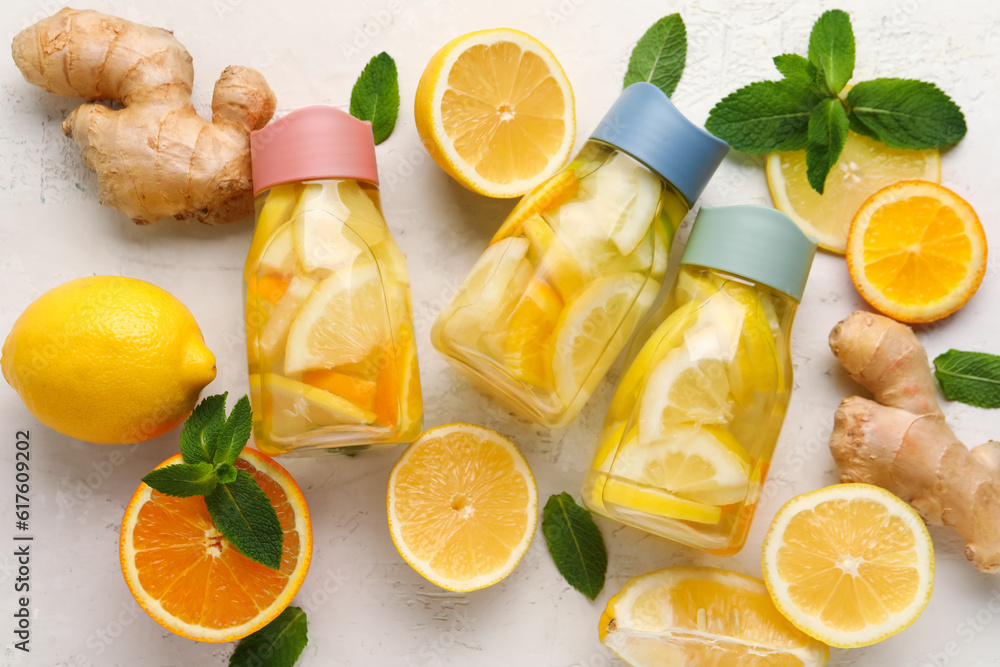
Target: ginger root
<point>156,157</point>
<point>900,441</point>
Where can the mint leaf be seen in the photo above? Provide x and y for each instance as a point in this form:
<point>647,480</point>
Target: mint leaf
<point>576,544</point>
<point>198,435</point>
<point>277,644</point>
<point>660,55</point>
<point>375,96</point>
<point>183,479</point>
<point>232,437</point>
<point>765,116</point>
<point>905,113</point>
<point>969,377</point>
<point>797,69</point>
<point>831,48</point>
<point>828,125</point>
<point>225,473</point>
<point>244,515</point>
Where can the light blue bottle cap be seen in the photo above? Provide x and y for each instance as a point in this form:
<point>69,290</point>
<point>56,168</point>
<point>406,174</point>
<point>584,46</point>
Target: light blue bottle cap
<point>644,123</point>
<point>754,242</point>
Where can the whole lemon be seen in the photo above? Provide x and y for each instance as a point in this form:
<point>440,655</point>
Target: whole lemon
<point>108,359</point>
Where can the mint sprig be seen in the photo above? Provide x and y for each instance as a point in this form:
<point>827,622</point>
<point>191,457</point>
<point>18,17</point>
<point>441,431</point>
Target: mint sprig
<point>240,510</point>
<point>807,109</point>
<point>375,96</point>
<point>660,55</point>
<point>969,377</point>
<point>277,644</point>
<point>576,544</point>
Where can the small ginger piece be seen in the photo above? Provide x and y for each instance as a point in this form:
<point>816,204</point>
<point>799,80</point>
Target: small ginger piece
<point>900,441</point>
<point>156,157</point>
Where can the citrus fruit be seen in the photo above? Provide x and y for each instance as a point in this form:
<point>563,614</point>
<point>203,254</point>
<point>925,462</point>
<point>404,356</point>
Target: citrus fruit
<point>191,580</point>
<point>277,210</point>
<point>548,196</point>
<point>553,261</point>
<point>657,502</point>
<point>529,331</point>
<point>850,564</point>
<point>864,166</point>
<point>700,616</point>
<point>681,389</point>
<point>343,319</point>
<point>291,407</point>
<point>495,111</point>
<point>587,334</point>
<point>108,359</point>
<point>462,506</point>
<point>700,463</point>
<point>916,251</point>
<point>356,390</point>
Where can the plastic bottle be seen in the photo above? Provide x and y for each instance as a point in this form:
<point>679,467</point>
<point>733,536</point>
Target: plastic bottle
<point>579,261</point>
<point>692,427</point>
<point>329,319</point>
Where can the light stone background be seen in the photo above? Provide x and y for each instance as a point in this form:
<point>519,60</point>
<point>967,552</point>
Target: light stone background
<point>366,605</point>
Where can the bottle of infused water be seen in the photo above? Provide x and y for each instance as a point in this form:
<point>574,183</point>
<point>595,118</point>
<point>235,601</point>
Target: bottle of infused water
<point>329,318</point>
<point>693,424</point>
<point>576,265</point>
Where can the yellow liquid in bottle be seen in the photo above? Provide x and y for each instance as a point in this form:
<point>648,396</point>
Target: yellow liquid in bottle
<point>562,286</point>
<point>329,321</point>
<point>691,430</point>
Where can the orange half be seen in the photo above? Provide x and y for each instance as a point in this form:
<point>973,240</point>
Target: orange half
<point>916,251</point>
<point>191,580</point>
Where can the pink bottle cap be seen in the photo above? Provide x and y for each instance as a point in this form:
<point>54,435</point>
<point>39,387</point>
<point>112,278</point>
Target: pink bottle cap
<point>314,142</point>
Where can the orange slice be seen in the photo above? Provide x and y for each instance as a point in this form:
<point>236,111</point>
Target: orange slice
<point>700,616</point>
<point>495,111</point>
<point>191,580</point>
<point>462,506</point>
<point>916,251</point>
<point>850,564</point>
<point>359,391</point>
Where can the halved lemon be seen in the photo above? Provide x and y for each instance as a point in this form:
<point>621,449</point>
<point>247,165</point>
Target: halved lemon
<point>700,616</point>
<point>462,506</point>
<point>850,564</point>
<point>191,580</point>
<point>341,322</point>
<point>495,111</point>
<point>864,167</point>
<point>916,251</point>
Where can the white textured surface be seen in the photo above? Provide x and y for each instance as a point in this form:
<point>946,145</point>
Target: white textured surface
<point>366,606</point>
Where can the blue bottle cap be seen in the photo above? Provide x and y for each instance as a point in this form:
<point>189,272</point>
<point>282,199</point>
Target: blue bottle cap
<point>644,123</point>
<point>754,242</point>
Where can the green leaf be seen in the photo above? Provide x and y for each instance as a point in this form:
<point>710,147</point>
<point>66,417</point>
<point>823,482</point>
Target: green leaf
<point>765,116</point>
<point>969,377</point>
<point>234,434</point>
<point>198,435</point>
<point>828,125</point>
<point>375,96</point>
<point>831,48</point>
<point>660,55</point>
<point>244,515</point>
<point>795,68</point>
<point>905,113</point>
<point>183,479</point>
<point>576,544</point>
<point>277,644</point>
<point>225,473</point>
